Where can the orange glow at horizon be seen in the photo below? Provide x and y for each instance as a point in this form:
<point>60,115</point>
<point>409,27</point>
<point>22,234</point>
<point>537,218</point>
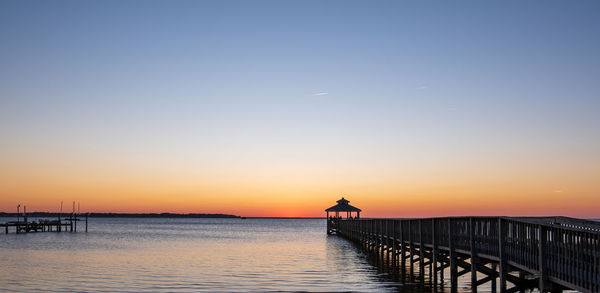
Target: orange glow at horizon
<point>301,195</point>
<point>283,186</point>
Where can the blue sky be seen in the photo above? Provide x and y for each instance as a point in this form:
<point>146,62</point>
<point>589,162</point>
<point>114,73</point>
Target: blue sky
<point>375,85</point>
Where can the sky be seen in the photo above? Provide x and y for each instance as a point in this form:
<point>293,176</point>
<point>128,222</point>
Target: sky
<point>279,108</point>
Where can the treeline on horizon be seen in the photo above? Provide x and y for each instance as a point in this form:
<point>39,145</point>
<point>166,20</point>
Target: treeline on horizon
<point>121,215</point>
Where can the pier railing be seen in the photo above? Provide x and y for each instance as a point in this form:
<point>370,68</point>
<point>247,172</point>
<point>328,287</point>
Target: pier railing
<point>556,253</point>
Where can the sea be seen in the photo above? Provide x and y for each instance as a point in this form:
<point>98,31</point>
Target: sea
<point>191,255</point>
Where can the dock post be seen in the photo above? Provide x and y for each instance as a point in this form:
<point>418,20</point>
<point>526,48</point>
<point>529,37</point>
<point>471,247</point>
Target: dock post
<point>402,248</point>
<point>374,239</point>
<point>366,230</point>
<point>421,253</point>
<point>383,242</point>
<point>411,247</point>
<point>363,228</point>
<point>369,234</point>
<point>494,285</point>
<point>452,258</point>
<point>381,251</point>
<point>390,248</point>
<point>501,256</point>
<point>433,268</point>
<point>441,271</point>
<point>86,221</point>
<point>370,227</point>
<point>521,277</point>
<point>360,235</point>
<point>388,242</point>
<point>366,236</point>
<point>326,218</point>
<point>542,259</point>
<point>394,244</point>
<point>72,216</point>
<point>473,256</point>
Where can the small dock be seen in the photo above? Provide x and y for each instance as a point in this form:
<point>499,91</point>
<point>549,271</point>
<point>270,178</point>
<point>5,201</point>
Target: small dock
<point>59,224</point>
<point>44,225</point>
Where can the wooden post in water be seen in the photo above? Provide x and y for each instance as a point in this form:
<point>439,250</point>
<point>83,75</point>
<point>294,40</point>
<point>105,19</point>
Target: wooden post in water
<point>394,244</point>
<point>385,243</point>
<point>452,257</point>
<point>76,215</point>
<point>388,242</point>
<point>433,268</point>
<point>59,225</point>
<point>72,214</point>
<point>421,253</point>
<point>501,255</point>
<point>382,243</point>
<point>521,277</point>
<point>367,235</point>
<point>411,247</point>
<point>430,257</point>
<point>473,257</point>
<point>86,221</point>
<point>328,223</point>
<point>493,280</point>
<point>374,239</point>
<point>542,259</point>
<point>402,248</point>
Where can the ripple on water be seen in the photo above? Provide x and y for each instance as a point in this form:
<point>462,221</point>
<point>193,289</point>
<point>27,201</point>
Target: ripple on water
<point>188,255</point>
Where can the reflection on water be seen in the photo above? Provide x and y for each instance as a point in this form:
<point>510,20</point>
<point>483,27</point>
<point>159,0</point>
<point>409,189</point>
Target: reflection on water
<point>185,255</point>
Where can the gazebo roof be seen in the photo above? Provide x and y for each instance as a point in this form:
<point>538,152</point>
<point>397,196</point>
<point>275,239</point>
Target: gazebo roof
<point>343,206</point>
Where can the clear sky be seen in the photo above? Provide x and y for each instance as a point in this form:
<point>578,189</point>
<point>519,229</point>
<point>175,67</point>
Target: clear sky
<point>277,108</point>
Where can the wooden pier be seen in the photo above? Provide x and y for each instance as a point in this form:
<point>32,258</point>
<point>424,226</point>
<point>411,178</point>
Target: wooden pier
<point>508,254</point>
<point>68,224</point>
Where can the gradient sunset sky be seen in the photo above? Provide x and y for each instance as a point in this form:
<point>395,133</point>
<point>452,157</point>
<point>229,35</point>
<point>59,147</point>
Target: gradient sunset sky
<point>278,108</point>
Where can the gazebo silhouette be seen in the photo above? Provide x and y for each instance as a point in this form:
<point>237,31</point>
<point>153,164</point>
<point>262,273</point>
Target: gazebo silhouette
<point>341,207</point>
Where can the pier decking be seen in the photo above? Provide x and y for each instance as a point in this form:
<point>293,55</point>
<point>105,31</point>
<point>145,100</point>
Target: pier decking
<point>512,254</point>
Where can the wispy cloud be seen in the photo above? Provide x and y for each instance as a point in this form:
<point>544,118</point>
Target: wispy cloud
<point>451,109</point>
<point>558,191</point>
<point>423,87</point>
<point>320,94</point>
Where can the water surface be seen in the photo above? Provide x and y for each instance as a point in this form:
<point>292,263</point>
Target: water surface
<point>189,255</point>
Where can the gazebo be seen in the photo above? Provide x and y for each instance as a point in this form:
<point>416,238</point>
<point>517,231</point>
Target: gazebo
<point>343,206</point>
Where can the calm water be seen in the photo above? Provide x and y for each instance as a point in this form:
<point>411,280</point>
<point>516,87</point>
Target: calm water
<point>189,255</point>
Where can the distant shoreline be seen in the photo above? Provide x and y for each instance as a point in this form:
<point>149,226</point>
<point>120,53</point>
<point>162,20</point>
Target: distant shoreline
<point>123,215</point>
<point>146,215</point>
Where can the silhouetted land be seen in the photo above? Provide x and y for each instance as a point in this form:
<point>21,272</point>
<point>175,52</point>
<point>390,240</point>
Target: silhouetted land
<point>125,215</point>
